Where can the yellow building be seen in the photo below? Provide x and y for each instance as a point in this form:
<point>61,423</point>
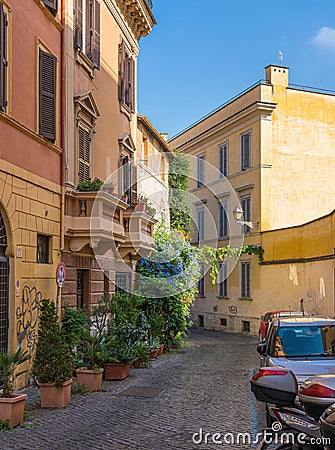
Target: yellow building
<point>271,151</point>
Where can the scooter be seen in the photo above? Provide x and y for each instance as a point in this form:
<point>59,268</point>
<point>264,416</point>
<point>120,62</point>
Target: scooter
<point>296,429</point>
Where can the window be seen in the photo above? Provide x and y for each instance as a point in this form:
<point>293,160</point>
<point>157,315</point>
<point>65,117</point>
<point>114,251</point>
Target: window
<point>223,280</point>
<point>52,5</point>
<point>200,224</point>
<point>246,206</point>
<point>145,150</point>
<point>246,150</point>
<point>223,322</point>
<point>122,282</point>
<point>201,282</point>
<point>43,249</point>
<point>127,78</point>
<point>84,152</point>
<point>223,220</point>
<point>47,95</point>
<point>223,160</point>
<point>245,280</point>
<point>246,325</point>
<point>87,29</point>
<point>3,58</point>
<point>201,170</point>
<point>201,320</point>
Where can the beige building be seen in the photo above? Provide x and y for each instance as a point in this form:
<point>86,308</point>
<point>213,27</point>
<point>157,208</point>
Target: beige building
<point>271,151</point>
<point>101,48</point>
<point>152,160</point>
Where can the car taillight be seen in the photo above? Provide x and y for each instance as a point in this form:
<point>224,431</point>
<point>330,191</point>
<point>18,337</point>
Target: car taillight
<point>266,372</point>
<point>317,390</point>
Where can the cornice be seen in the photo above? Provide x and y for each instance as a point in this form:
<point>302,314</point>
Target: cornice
<point>14,123</point>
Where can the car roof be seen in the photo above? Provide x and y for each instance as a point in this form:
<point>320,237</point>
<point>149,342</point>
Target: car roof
<point>303,320</point>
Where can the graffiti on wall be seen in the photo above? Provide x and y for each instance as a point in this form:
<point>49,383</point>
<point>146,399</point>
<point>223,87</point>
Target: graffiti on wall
<point>27,315</point>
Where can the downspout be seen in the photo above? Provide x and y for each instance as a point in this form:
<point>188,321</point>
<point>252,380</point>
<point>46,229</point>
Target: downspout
<point>63,131</point>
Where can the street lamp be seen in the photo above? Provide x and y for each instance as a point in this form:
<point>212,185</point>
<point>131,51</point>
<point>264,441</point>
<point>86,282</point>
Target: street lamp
<point>238,216</point>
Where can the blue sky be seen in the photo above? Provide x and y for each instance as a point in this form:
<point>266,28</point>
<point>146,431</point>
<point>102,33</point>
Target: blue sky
<point>201,53</point>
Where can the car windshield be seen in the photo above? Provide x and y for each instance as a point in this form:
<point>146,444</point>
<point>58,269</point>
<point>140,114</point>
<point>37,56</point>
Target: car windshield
<point>305,341</point>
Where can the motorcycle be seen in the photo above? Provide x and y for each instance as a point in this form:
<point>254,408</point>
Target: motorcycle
<point>312,426</point>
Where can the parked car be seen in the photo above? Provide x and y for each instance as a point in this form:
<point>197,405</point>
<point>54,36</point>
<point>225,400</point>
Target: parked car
<point>306,345</point>
<point>269,316</point>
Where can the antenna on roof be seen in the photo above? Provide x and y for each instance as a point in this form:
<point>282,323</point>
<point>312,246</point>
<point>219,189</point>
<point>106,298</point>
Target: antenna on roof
<point>280,56</point>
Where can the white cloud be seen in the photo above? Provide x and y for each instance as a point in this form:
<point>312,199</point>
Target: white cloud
<point>325,38</point>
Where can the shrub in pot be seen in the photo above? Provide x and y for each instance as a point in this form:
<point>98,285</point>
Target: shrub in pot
<point>141,355</point>
<point>53,361</point>
<point>118,357</point>
<point>90,355</point>
<point>11,405</point>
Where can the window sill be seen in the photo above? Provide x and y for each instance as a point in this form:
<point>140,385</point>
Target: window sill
<point>126,110</point>
<point>246,299</point>
<point>84,62</point>
<point>202,296</point>
<point>222,298</point>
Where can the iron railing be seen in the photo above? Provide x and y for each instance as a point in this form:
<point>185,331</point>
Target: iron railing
<point>150,3</point>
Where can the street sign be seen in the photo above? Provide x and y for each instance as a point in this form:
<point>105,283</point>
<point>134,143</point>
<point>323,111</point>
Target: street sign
<point>60,274</point>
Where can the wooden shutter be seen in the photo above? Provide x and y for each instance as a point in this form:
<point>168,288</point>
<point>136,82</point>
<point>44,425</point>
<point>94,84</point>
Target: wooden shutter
<point>131,84</point>
<point>89,28</point>
<point>246,150</point>
<point>3,58</point>
<point>96,35</point>
<point>47,95</point>
<point>52,5</point>
<point>200,170</point>
<point>122,63</point>
<point>84,154</point>
<point>78,24</point>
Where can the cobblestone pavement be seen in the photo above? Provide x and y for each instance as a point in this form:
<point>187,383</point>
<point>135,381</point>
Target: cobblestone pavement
<point>203,386</point>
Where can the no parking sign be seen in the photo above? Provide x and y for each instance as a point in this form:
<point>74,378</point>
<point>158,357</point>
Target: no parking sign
<point>60,274</point>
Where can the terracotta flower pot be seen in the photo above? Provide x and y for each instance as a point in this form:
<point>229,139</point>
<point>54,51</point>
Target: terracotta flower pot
<point>137,364</point>
<point>12,409</point>
<point>115,371</point>
<point>153,353</point>
<point>161,350</point>
<point>55,397</point>
<point>91,379</point>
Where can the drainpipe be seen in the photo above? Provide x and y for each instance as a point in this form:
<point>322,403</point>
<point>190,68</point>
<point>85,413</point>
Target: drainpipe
<point>63,128</point>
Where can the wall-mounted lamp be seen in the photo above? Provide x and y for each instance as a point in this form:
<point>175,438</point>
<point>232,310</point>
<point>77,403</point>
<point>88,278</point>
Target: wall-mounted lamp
<point>238,216</point>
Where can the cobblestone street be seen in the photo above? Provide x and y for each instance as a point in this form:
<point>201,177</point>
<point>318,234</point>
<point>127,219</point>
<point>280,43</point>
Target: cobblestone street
<point>203,386</point>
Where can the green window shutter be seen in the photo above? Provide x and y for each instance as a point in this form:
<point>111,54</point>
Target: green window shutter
<point>52,5</point>
<point>3,59</point>
<point>47,95</point>
<point>84,154</point>
<point>78,24</point>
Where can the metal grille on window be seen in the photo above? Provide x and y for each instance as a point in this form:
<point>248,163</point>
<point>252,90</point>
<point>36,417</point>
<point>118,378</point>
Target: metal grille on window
<point>122,282</point>
<point>80,288</point>
<point>4,271</point>
<point>84,154</point>
<point>43,243</point>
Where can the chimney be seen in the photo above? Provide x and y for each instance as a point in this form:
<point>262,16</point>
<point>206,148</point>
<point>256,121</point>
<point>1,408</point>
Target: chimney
<point>276,75</point>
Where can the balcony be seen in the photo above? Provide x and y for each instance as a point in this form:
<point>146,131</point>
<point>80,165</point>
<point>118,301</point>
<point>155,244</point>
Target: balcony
<point>102,222</point>
<point>151,5</point>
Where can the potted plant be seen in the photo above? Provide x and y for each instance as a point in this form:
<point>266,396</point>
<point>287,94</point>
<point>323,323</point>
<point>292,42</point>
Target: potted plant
<point>53,361</point>
<point>118,357</point>
<point>11,405</point>
<point>141,355</point>
<point>90,353</point>
<point>90,185</point>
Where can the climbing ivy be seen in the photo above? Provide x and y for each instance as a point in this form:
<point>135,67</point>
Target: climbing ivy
<point>180,212</point>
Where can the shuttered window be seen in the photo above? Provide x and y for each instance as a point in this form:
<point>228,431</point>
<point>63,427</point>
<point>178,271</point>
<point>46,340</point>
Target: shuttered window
<point>223,280</point>
<point>127,78</point>
<point>201,170</point>
<point>52,5</point>
<point>223,220</point>
<point>246,150</point>
<point>223,159</point>
<point>201,282</point>
<point>200,224</point>
<point>87,29</point>
<point>245,280</point>
<point>47,95</point>
<point>3,58</point>
<point>84,154</point>
<point>246,206</point>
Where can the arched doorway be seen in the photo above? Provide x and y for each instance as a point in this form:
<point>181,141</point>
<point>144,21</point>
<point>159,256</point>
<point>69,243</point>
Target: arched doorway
<point>4,272</point>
